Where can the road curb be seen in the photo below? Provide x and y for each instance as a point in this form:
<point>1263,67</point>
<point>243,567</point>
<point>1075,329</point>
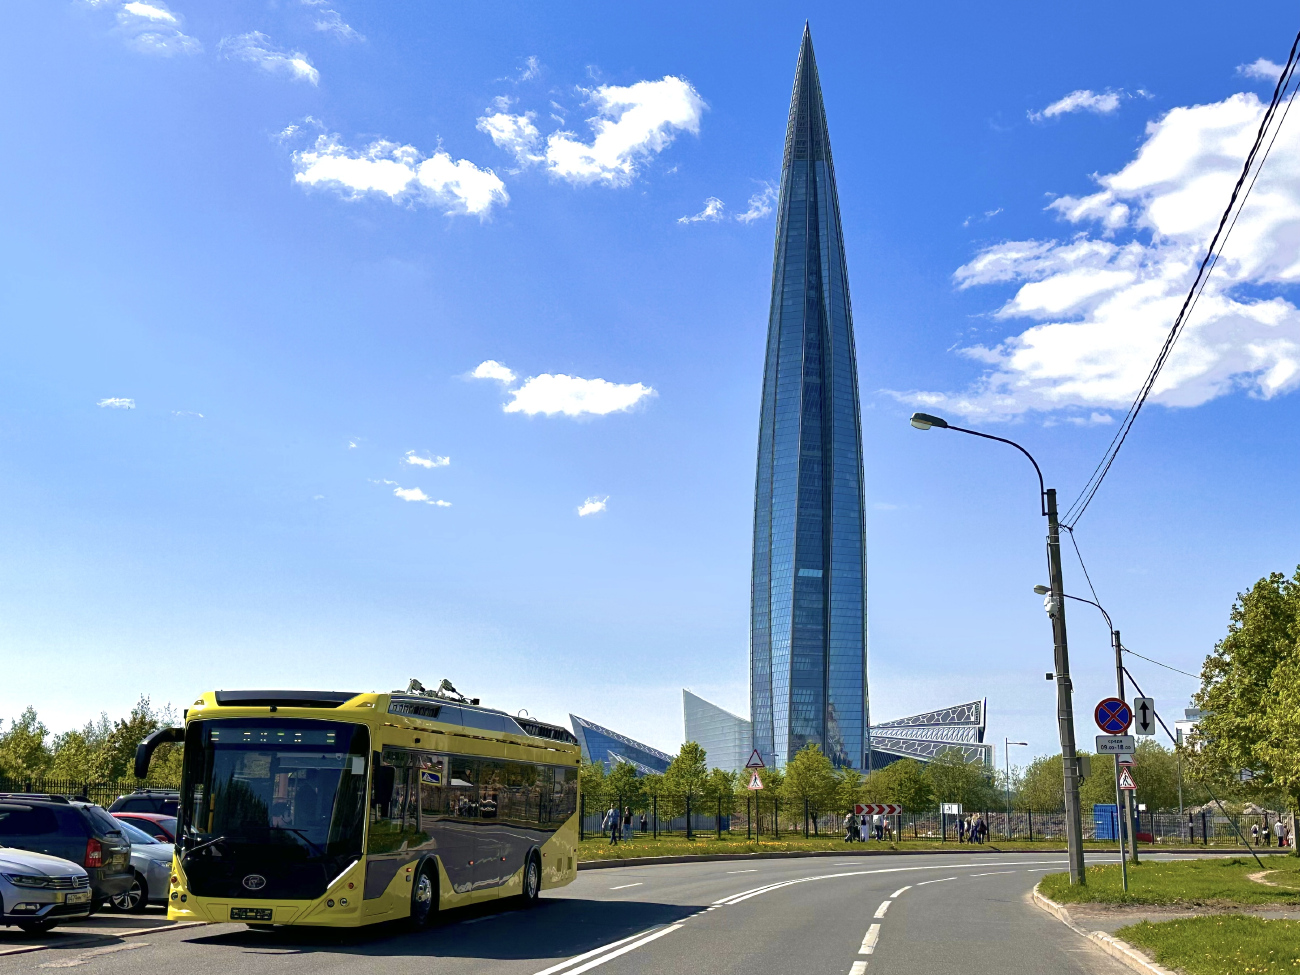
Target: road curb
<point>1119,950</point>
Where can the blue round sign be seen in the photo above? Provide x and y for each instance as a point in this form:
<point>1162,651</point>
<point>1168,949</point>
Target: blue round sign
<point>1113,716</point>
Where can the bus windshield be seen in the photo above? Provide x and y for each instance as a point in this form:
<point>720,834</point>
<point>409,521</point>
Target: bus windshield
<point>271,807</point>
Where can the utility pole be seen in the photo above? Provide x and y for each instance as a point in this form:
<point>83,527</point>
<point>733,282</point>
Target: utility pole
<point>1127,793</point>
<point>1064,695</point>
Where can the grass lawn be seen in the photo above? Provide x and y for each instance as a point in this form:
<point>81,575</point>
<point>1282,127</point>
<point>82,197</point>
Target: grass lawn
<point>1220,883</point>
<point>599,848</point>
<point>1224,944</point>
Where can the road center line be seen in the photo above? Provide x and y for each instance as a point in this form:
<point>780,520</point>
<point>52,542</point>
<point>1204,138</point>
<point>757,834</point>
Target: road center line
<point>750,870</point>
<point>869,942</point>
<point>924,882</point>
<point>895,894</point>
<point>625,886</point>
<point>623,951</point>
<point>859,968</point>
<point>880,911</point>
<point>588,954</point>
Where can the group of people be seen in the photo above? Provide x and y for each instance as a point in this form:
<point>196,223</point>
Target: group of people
<point>860,829</point>
<point>618,824</point>
<point>972,829</point>
<point>1280,830</point>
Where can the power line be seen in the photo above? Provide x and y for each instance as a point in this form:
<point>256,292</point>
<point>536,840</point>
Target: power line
<point>1217,242</point>
<point>1159,664</point>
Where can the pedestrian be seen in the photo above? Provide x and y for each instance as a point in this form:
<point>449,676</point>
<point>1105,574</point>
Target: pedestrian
<point>961,830</point>
<point>1254,832</point>
<point>850,827</point>
<point>627,823</point>
<point>611,824</point>
<point>879,822</point>
<point>981,829</point>
<point>643,822</point>
<point>1279,828</point>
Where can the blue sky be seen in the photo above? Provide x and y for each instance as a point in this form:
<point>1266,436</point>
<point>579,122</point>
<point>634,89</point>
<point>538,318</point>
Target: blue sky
<point>253,255</point>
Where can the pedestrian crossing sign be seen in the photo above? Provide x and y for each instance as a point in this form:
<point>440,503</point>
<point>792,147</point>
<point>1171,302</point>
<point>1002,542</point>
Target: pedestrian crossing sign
<point>754,781</point>
<point>1126,778</point>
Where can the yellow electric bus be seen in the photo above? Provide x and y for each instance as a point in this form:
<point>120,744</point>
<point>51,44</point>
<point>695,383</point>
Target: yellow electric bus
<point>344,809</point>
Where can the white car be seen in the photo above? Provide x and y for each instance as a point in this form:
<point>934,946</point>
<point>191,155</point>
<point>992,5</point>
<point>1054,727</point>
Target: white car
<point>151,861</point>
<point>38,891</point>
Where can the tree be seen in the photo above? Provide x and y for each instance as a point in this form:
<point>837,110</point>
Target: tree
<point>1042,786</point>
<point>720,791</point>
<point>953,779</point>
<point>848,788</point>
<point>685,780</point>
<point>23,752</point>
<point>904,782</point>
<point>591,779</point>
<point>622,786</point>
<point>809,778</point>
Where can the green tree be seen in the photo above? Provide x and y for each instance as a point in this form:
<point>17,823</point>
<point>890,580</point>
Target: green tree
<point>848,789</point>
<point>1042,785</point>
<point>904,782</point>
<point>684,780</point>
<point>953,779</point>
<point>591,779</point>
<point>720,791</point>
<point>623,787</point>
<point>810,779</point>
<point>23,751</point>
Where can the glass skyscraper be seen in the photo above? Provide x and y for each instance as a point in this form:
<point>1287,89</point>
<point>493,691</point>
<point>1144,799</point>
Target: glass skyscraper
<point>808,622</point>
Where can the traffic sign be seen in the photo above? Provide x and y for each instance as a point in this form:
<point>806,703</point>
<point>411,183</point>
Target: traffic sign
<point>950,808</point>
<point>1114,744</point>
<point>1144,715</point>
<point>1113,716</point>
<point>877,809</point>
<point>754,781</point>
<point>755,760</point>
<point>1126,778</point>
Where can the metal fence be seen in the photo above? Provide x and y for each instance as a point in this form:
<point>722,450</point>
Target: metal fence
<point>102,793</point>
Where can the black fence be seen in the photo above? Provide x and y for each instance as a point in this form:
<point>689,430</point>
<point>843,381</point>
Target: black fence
<point>102,793</point>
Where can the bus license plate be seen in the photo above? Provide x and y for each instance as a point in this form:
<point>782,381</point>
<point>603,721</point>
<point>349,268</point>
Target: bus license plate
<point>250,913</point>
<point>80,897</point>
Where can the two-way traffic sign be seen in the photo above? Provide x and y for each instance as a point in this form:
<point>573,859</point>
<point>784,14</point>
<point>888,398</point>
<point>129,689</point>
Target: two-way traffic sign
<point>1144,716</point>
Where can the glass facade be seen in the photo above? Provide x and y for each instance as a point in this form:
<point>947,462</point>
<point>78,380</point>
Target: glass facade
<point>603,745</point>
<point>725,737</point>
<point>808,624</point>
<point>959,728</point>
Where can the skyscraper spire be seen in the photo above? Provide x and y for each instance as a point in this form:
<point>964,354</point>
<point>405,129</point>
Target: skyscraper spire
<point>808,622</point>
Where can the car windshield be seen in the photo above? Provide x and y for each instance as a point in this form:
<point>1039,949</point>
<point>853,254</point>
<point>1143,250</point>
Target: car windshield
<point>137,836</point>
<point>168,824</point>
<point>287,783</point>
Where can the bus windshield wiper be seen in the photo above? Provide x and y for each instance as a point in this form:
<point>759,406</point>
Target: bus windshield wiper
<point>202,846</point>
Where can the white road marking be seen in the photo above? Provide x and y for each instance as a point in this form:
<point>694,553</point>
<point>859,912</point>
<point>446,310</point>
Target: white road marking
<point>880,911</point>
<point>751,870</point>
<point>859,968</point>
<point>588,954</point>
<point>625,886</point>
<point>86,958</point>
<point>995,873</point>
<point>924,882</point>
<point>622,951</point>
<point>869,942</point>
<point>895,894</point>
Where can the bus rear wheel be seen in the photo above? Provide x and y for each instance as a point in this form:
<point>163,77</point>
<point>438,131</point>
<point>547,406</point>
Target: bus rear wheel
<point>424,897</point>
<point>532,881</point>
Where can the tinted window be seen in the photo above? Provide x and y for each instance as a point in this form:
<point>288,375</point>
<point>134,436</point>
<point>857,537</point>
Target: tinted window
<point>30,821</point>
<point>168,807</point>
<point>138,805</point>
<point>169,825</point>
<point>136,835</point>
<point>104,823</point>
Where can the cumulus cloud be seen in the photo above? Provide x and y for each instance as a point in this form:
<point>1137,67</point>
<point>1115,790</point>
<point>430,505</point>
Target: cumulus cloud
<point>712,211</point>
<point>331,21</point>
<point>591,506</point>
<point>1082,100</point>
<point>429,463</point>
<point>117,403</point>
<point>631,124</point>
<point>491,369</point>
<point>1103,300</point>
<point>571,395</point>
<point>1262,69</point>
<point>256,48</point>
<point>760,204</point>
<point>153,28</point>
<point>402,173</point>
<point>414,494</point>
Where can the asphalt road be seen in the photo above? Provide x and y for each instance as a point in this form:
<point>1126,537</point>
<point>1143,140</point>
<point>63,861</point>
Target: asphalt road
<point>886,914</point>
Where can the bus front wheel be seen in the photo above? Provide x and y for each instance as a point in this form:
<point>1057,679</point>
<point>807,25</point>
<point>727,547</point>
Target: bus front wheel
<point>424,897</point>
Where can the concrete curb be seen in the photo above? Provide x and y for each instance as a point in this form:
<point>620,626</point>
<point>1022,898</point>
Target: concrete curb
<point>1120,950</point>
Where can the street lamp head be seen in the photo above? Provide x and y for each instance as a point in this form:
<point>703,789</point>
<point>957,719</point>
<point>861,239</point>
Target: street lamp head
<point>1017,743</point>
<point>1042,590</point>
<point>924,421</point>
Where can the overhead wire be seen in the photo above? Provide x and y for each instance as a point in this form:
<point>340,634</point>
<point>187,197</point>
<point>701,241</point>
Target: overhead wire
<point>1217,242</point>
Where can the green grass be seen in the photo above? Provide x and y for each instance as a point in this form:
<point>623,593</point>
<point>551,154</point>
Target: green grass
<point>599,848</point>
<point>1216,883</point>
<point>1223,944</point>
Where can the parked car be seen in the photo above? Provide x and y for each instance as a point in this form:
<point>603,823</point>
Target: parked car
<point>162,828</point>
<point>152,863</point>
<point>39,891</point>
<point>164,802</point>
<point>78,831</point>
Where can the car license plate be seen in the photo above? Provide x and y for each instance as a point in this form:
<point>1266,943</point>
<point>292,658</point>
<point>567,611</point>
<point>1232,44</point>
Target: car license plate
<point>250,913</point>
<point>79,897</point>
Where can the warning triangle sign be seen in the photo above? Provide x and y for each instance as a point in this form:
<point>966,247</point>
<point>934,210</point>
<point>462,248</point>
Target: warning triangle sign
<point>754,781</point>
<point>755,761</point>
<point>1126,778</point>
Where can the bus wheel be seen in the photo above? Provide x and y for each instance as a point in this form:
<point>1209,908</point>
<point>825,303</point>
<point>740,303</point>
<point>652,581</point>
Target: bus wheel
<point>424,897</point>
<point>532,881</point>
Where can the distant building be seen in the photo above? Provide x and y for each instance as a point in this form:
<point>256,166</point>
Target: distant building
<point>926,736</point>
<point>603,745</point>
<point>726,738</point>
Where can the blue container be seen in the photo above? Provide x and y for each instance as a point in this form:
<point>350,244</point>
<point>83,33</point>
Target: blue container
<point>1105,821</point>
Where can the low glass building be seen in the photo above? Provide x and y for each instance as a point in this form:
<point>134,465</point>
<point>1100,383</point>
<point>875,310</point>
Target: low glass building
<point>727,739</point>
<point>600,744</point>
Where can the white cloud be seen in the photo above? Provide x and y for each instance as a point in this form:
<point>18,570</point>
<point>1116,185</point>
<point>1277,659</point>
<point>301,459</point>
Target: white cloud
<point>117,403</point>
<point>153,28</point>
<point>331,21</point>
<point>414,494</point>
<point>427,462</point>
<point>1102,307</point>
<point>712,211</point>
<point>515,133</point>
<point>255,48</point>
<point>574,396</point>
<point>491,369</point>
<point>760,204</point>
<point>402,174</point>
<point>632,123</point>
<point>1081,100</point>
<point>187,413</point>
<point>591,506</point>
<point>532,68</point>
<point>1263,69</point>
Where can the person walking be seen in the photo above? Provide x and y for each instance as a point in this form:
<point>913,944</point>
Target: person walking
<point>627,823</point>
<point>643,822</point>
<point>981,829</point>
<point>611,824</point>
<point>961,830</point>
<point>878,821</point>
<point>850,827</point>
<point>1279,828</point>
<point>1254,832</point>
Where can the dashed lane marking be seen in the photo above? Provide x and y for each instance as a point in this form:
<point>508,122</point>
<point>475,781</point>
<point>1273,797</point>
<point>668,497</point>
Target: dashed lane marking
<point>880,911</point>
<point>995,873</point>
<point>869,942</point>
<point>924,882</point>
<point>750,870</point>
<point>639,883</point>
<point>859,968</point>
<point>895,894</point>
<point>89,955</point>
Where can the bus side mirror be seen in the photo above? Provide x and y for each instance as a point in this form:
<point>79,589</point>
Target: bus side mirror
<point>144,751</point>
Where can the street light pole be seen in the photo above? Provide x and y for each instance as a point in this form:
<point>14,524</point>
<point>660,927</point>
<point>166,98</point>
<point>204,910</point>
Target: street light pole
<point>1006,759</point>
<point>1061,653</point>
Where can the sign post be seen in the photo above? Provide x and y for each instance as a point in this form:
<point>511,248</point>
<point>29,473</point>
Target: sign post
<point>755,783</point>
<point>1113,716</point>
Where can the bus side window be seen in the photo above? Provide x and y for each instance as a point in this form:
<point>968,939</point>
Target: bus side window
<point>395,824</point>
<point>432,796</point>
<point>491,788</point>
<point>462,798</point>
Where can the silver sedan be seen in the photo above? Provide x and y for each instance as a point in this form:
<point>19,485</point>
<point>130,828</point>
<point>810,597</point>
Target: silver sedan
<point>38,891</point>
<point>151,861</point>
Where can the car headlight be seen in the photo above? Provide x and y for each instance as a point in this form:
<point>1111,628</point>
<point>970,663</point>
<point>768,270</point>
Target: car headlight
<point>25,880</point>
